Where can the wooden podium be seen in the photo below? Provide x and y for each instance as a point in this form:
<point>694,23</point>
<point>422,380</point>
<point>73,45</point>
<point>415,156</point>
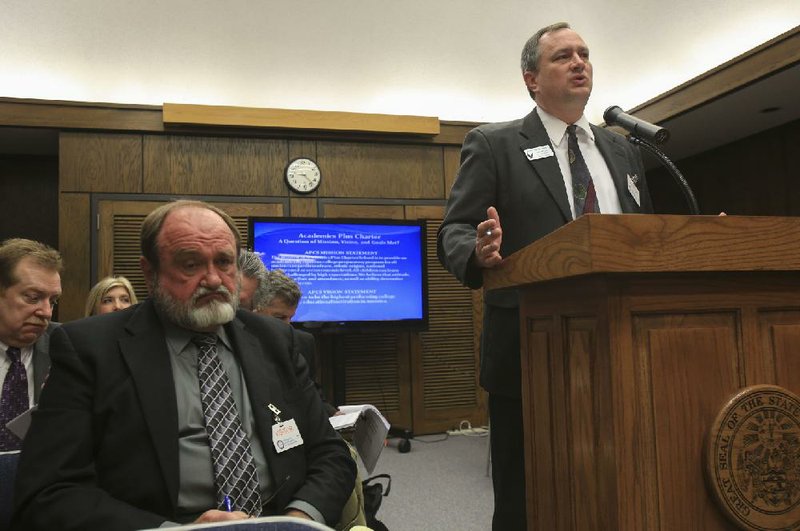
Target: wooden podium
<point>636,330</point>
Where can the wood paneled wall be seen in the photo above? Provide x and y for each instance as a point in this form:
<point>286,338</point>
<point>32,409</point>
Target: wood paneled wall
<point>29,198</point>
<point>100,163</point>
<point>428,380</point>
<point>381,171</point>
<point>213,166</point>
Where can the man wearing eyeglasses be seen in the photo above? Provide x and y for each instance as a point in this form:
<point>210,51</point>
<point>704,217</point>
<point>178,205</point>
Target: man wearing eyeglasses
<point>30,285</point>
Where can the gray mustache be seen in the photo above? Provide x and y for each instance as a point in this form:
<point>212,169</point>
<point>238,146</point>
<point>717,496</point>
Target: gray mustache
<point>201,292</point>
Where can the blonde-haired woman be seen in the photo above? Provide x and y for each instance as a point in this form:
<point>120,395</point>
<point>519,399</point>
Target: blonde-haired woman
<point>110,295</point>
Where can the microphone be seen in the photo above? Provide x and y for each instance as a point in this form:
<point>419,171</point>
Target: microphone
<point>616,116</point>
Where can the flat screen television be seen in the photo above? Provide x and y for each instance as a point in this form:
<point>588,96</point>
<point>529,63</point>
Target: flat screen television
<point>354,273</point>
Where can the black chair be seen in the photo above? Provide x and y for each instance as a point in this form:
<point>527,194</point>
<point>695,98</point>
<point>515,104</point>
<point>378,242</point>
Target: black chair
<point>8,471</point>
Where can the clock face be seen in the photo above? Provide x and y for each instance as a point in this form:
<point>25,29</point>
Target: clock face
<point>303,176</point>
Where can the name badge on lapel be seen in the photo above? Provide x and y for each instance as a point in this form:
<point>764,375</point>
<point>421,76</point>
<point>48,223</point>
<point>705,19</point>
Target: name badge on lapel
<point>539,152</point>
<point>286,436</point>
<point>633,181</point>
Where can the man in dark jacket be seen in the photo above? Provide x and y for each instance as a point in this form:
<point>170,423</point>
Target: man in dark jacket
<point>179,409</point>
<point>533,175</point>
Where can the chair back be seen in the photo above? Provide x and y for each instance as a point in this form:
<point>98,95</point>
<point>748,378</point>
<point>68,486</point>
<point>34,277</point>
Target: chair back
<point>353,514</point>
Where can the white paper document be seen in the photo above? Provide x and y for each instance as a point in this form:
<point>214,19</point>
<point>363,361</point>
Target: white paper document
<point>256,524</point>
<point>370,430</point>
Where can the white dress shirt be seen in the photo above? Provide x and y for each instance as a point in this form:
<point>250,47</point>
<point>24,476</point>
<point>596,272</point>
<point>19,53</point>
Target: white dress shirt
<point>607,198</point>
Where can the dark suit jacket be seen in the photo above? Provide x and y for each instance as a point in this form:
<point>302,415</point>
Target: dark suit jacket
<point>41,361</point>
<point>102,450</point>
<point>307,347</point>
<point>531,201</point>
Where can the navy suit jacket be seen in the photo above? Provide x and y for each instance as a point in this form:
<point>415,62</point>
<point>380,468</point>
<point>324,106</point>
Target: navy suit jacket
<point>531,201</point>
<point>102,450</point>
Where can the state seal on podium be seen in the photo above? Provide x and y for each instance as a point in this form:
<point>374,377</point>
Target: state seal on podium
<point>753,458</point>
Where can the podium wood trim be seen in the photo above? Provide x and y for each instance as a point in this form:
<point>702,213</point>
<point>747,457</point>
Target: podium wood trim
<point>626,243</point>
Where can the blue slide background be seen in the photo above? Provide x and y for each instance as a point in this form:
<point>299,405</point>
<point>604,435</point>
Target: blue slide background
<point>339,268</point>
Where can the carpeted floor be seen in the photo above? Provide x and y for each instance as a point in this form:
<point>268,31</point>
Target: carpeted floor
<point>441,484</point>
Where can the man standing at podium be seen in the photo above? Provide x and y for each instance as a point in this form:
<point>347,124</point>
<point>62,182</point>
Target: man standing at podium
<point>519,181</point>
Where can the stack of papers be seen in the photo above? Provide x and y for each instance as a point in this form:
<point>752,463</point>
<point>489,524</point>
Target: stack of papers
<point>370,432</point>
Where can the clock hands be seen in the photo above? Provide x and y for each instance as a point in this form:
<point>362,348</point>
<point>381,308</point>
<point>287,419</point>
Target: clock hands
<point>302,175</point>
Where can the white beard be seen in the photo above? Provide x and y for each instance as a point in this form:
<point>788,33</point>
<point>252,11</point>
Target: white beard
<point>187,314</point>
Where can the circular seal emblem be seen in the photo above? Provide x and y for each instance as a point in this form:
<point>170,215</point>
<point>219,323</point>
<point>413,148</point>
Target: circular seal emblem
<point>753,458</point>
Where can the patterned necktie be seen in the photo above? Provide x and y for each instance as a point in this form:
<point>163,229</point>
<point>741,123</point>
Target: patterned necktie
<point>582,185</point>
<point>14,399</point>
<point>234,467</point>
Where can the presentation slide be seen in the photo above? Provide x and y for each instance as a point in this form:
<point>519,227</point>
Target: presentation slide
<point>348,271</point>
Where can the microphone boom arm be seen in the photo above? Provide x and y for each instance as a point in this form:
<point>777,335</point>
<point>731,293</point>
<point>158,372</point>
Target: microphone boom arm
<point>671,168</point>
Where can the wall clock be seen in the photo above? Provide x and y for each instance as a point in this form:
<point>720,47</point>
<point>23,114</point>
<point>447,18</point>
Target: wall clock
<point>303,175</point>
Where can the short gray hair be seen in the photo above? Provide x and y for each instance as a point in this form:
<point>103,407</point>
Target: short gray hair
<point>281,286</point>
<point>251,266</point>
<point>529,62</point>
